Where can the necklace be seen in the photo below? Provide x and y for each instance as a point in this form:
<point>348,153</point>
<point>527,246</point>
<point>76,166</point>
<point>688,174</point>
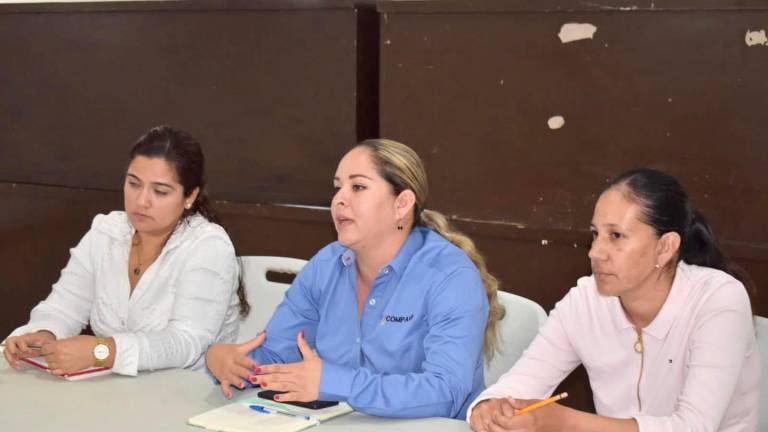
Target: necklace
<point>137,269</point>
<point>137,246</point>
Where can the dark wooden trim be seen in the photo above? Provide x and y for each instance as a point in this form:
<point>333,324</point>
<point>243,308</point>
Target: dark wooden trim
<point>547,6</point>
<point>178,5</point>
<point>576,238</point>
<point>367,76</point>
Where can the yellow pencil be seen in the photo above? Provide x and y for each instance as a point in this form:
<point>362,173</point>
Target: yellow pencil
<point>542,403</point>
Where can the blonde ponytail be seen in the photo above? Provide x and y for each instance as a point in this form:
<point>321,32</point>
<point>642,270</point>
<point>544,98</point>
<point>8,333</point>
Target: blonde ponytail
<point>439,223</point>
<point>402,168</point>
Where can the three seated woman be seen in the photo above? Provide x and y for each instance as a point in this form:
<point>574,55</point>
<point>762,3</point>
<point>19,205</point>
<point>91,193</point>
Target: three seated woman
<point>398,316</point>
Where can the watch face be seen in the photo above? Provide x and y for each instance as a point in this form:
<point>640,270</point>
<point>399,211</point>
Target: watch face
<point>101,352</point>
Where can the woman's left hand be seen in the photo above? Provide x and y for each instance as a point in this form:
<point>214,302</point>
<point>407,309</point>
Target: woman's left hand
<point>300,380</point>
<point>70,354</point>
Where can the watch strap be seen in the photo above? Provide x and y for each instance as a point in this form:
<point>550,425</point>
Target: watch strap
<point>97,361</point>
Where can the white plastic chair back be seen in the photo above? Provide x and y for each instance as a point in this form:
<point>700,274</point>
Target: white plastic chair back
<point>516,331</point>
<point>761,325</point>
<point>264,295</point>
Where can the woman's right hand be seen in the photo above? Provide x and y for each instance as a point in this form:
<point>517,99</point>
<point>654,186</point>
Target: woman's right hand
<point>26,345</point>
<point>484,414</point>
<point>230,363</point>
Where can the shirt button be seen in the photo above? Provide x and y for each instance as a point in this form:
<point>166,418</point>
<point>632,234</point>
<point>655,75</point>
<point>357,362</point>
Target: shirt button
<point>372,302</point>
<point>357,340</point>
<point>386,270</point>
<point>122,323</point>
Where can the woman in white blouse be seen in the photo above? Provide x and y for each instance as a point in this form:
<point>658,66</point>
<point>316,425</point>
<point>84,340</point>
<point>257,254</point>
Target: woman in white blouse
<point>663,327</point>
<point>158,283</point>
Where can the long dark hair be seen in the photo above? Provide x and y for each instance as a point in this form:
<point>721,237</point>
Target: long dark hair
<point>667,208</point>
<point>185,155</point>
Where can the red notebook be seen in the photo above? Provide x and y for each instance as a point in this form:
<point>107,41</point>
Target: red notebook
<point>40,363</point>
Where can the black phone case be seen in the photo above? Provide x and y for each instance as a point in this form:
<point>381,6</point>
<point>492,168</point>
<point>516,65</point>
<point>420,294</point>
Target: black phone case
<point>315,404</point>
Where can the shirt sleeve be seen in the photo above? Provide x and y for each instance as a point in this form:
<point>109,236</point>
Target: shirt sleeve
<point>66,310</point>
<point>203,296</point>
<point>544,364</point>
<point>457,312</point>
<point>719,344</point>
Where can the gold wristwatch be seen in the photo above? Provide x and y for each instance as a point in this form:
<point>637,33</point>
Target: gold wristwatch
<point>100,352</point>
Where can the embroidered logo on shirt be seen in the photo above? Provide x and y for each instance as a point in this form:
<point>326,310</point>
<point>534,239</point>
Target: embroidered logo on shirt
<point>398,318</point>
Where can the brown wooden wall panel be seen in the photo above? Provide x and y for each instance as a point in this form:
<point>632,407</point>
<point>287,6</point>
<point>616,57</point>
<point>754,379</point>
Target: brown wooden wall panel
<point>270,88</point>
<point>471,86</point>
<point>38,225</point>
<point>676,89</point>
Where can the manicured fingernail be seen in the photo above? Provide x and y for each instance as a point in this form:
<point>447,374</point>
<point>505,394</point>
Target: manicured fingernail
<point>241,385</point>
<point>277,397</point>
<point>301,333</point>
<point>253,379</point>
<point>263,384</point>
<point>257,370</point>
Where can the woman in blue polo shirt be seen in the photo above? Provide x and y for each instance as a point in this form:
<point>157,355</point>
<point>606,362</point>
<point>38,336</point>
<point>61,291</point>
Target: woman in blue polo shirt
<point>391,318</point>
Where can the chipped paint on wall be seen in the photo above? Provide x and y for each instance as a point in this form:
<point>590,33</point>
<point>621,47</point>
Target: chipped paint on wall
<point>556,122</point>
<point>571,32</point>
<point>758,37</point>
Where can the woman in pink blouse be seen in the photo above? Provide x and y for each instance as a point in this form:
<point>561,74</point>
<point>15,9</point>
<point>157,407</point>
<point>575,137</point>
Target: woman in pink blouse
<point>663,327</point>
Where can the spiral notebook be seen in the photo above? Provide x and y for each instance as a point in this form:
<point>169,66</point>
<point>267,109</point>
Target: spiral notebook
<point>240,417</point>
<point>40,363</point>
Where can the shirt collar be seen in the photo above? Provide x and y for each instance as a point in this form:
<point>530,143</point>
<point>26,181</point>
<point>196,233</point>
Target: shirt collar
<point>660,326</point>
<point>620,319</point>
<point>413,243</point>
<point>179,234</point>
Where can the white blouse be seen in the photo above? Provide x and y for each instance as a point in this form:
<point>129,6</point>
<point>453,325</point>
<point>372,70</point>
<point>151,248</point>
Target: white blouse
<point>699,369</point>
<point>185,301</point>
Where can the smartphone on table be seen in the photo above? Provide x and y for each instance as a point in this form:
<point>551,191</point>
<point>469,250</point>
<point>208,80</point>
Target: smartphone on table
<point>315,404</point>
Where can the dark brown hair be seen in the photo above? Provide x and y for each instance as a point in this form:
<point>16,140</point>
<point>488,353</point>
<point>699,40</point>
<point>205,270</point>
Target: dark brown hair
<point>667,208</point>
<point>185,155</point>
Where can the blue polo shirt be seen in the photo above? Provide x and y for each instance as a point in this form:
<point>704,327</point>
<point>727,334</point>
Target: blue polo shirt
<point>417,349</point>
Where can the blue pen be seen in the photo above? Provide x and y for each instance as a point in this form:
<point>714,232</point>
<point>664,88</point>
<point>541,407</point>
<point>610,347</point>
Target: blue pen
<point>273,410</point>
<point>261,409</point>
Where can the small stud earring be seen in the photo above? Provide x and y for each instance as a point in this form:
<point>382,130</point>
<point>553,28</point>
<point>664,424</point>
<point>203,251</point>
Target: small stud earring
<point>656,265</point>
<point>188,206</point>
